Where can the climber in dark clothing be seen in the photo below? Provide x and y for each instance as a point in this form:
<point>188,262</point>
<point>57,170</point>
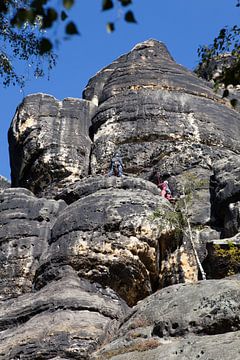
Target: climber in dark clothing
<point>116,165</point>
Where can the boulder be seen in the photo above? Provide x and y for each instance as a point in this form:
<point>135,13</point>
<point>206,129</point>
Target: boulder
<point>225,346</point>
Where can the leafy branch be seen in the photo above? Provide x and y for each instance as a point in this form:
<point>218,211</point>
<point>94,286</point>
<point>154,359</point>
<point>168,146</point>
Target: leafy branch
<point>25,36</point>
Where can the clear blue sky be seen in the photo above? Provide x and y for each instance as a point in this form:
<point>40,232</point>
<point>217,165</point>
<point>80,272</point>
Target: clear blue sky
<point>182,24</point>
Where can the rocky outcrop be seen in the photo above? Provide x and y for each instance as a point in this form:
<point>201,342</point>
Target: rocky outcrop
<point>181,322</point>
<point>161,117</point>
<point>49,143</point>
<point>158,115</point>
<point>109,237</point>
<point>78,248</point>
<point>25,227</point>
<point>53,322</point>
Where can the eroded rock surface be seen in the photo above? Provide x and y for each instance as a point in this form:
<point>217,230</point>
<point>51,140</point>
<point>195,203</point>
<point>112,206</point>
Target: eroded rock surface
<point>180,322</point>
<point>25,229</point>
<point>158,115</point>
<point>49,143</point>
<point>70,263</point>
<point>108,236</point>
<point>68,318</point>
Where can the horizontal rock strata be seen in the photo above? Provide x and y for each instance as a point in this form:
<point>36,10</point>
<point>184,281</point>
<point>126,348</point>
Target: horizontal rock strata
<point>109,237</point>
<point>53,322</point>
<point>49,143</point>
<point>158,115</point>
<point>78,247</point>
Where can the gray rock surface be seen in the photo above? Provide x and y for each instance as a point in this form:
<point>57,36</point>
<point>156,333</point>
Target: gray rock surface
<point>49,143</point>
<point>53,322</point>
<point>194,347</point>
<point>109,237</point>
<point>226,195</point>
<point>92,184</point>
<point>25,225</point>
<point>192,127</point>
<point>181,322</point>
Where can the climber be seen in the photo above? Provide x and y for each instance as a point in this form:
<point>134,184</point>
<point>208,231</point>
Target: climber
<point>165,190</point>
<point>116,165</point>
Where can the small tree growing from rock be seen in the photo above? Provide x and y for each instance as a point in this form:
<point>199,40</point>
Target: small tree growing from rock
<point>180,217</point>
<point>188,187</point>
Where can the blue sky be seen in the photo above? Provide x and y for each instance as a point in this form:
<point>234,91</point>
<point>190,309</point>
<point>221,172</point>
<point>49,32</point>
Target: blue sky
<point>182,25</point>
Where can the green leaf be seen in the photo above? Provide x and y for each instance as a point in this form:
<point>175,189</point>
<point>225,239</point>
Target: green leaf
<point>68,4</point>
<point>125,2</point>
<point>129,17</point>
<point>110,27</point>
<point>45,46</point>
<point>38,5</point>
<point>49,18</point>
<point>63,15</point>
<point>71,29</point>
<point>107,5</point>
<point>22,15</point>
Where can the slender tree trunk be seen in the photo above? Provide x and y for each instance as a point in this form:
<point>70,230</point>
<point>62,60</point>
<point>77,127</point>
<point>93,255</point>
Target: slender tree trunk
<point>190,236</point>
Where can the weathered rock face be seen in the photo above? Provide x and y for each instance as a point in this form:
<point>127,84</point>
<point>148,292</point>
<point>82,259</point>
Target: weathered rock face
<point>25,225</point>
<point>69,317</point>
<point>71,262</point>
<point>49,143</point>
<point>109,237</point>
<point>181,322</point>
<point>158,115</point>
<point>161,117</point>
<point>226,194</point>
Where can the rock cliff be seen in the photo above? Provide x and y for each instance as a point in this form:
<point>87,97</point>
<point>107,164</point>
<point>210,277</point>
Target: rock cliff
<point>98,267</point>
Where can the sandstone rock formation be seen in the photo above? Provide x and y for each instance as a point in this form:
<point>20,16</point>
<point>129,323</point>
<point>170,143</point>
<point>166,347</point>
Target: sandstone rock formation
<point>91,265</point>
<point>49,143</point>
<point>67,318</point>
<point>25,226</point>
<point>181,322</point>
